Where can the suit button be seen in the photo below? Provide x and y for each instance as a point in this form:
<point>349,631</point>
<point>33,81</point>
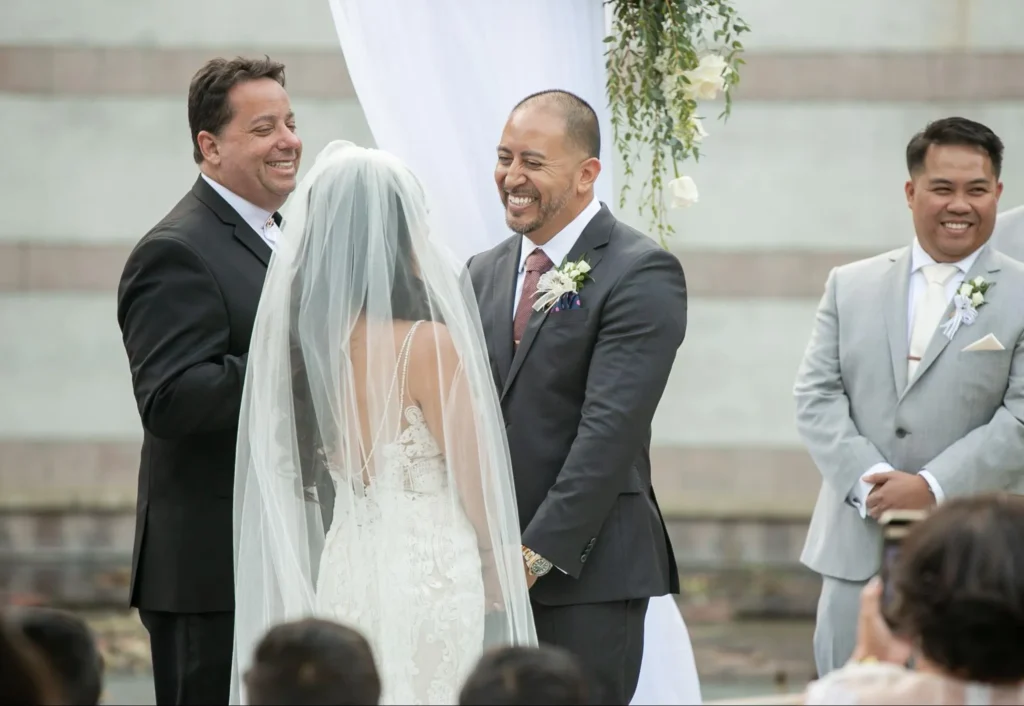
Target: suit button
<point>901,432</point>
<point>583,557</point>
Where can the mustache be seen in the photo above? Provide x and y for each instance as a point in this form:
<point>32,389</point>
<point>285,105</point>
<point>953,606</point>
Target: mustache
<point>532,194</point>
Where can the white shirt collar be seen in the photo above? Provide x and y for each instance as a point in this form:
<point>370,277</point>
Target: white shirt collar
<point>258,219</point>
<point>919,258</point>
<point>557,249</point>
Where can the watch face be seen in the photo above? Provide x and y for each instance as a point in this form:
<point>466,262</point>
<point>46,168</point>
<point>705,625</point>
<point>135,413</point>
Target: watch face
<point>540,567</point>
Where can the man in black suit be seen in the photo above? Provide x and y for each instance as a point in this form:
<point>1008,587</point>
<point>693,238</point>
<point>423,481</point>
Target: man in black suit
<point>579,383</point>
<point>186,305</point>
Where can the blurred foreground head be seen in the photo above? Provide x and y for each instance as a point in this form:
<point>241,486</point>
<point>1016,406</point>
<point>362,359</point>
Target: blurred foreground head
<point>959,588</point>
<point>314,662</point>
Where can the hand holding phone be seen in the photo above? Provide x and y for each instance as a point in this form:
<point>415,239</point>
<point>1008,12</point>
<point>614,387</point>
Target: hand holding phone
<point>896,524</point>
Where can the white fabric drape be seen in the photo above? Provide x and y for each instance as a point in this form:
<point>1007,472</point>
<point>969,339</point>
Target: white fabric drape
<point>436,80</point>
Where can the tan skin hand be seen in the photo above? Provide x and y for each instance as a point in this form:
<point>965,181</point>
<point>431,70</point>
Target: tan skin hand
<point>530,578</point>
<point>874,638</point>
<point>896,490</point>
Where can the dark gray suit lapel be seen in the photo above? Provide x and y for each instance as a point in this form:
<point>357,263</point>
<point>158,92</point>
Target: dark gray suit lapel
<point>506,269</point>
<point>243,231</point>
<point>590,244</point>
<point>896,305</point>
<point>253,242</point>
<point>982,266</point>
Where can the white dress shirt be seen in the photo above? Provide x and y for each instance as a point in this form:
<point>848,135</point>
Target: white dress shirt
<point>918,285</point>
<point>557,249</point>
<point>260,220</point>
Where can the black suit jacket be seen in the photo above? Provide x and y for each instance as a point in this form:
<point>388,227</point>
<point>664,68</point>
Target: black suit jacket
<point>578,397</point>
<point>187,301</point>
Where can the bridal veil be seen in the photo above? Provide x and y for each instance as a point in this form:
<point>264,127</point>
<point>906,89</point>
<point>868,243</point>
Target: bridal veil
<point>357,263</point>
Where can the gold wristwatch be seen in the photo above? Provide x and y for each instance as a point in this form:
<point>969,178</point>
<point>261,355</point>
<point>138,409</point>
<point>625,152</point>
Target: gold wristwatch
<point>535,563</point>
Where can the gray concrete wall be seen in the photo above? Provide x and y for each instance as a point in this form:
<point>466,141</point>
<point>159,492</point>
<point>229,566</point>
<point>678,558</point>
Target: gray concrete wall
<point>807,174</point>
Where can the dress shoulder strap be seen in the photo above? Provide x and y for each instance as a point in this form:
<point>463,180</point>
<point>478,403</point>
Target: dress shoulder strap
<point>403,363</point>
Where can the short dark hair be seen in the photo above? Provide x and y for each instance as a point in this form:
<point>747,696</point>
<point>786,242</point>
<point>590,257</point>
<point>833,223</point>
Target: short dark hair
<point>69,646</point>
<point>959,588</point>
<point>209,108</point>
<point>522,675</point>
<point>312,662</point>
<point>25,677</point>
<point>954,131</point>
<point>581,124</point>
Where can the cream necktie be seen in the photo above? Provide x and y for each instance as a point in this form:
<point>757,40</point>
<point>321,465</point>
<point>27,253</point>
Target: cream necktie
<point>928,312</point>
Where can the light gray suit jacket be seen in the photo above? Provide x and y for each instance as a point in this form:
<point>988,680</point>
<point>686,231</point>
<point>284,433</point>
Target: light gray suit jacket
<point>960,417</point>
<point>1008,236</point>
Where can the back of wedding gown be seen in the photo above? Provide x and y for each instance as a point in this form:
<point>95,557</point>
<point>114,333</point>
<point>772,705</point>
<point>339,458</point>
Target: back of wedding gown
<point>412,585</point>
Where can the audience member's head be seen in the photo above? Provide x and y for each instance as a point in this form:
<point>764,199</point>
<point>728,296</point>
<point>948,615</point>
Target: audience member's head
<point>524,675</point>
<point>959,589</point>
<point>25,678</point>
<point>312,662</point>
<point>70,648</point>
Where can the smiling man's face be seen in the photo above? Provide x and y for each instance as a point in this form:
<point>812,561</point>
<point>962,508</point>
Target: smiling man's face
<point>954,197</point>
<point>544,178</point>
<point>257,153</point>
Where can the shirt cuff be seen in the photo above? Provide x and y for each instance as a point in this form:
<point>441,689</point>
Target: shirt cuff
<point>859,495</point>
<point>934,486</point>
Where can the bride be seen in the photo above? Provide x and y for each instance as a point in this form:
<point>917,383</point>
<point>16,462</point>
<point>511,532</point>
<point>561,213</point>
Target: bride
<point>373,484</point>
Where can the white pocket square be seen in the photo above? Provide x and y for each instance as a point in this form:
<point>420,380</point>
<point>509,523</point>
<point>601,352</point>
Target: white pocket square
<point>988,343</point>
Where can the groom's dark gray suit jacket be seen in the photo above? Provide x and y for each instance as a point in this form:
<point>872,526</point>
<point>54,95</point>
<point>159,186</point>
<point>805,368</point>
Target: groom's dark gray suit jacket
<point>578,398</point>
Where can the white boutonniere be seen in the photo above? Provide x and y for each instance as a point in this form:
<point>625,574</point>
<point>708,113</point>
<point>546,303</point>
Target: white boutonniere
<point>966,302</point>
<point>566,279</point>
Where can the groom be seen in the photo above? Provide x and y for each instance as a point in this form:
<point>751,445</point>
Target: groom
<point>579,383</point>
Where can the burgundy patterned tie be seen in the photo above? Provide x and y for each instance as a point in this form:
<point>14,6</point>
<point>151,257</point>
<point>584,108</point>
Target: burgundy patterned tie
<point>536,264</point>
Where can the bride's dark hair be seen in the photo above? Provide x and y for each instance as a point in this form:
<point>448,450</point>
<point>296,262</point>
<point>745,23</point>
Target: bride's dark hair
<point>410,299</point>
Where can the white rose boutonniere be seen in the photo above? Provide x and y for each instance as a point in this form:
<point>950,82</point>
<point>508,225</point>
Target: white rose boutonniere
<point>561,284</point>
<point>966,302</point>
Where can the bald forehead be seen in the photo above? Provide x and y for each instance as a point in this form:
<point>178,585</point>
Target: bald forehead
<point>539,111</point>
<point>539,128</point>
<point>561,115</point>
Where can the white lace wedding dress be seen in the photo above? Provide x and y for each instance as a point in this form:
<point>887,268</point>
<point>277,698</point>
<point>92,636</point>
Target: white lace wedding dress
<point>412,585</point>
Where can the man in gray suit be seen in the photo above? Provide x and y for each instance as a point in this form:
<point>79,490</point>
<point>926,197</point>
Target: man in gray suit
<point>899,407</point>
<point>1008,236</point>
<point>579,382</point>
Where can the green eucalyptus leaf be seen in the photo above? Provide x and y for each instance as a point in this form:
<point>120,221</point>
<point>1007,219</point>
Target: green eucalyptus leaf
<point>652,44</point>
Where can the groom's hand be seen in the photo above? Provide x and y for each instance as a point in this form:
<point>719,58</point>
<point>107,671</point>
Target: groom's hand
<point>896,490</point>
<point>530,578</point>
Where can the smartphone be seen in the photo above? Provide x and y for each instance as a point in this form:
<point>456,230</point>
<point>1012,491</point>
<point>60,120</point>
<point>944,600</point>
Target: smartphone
<point>896,524</point>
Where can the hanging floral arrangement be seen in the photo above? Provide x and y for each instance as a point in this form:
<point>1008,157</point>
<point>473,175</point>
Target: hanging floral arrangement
<point>666,60</point>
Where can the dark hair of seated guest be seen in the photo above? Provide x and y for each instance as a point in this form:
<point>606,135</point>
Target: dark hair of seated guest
<point>959,588</point>
<point>314,662</point>
<point>526,675</point>
<point>25,677</point>
<point>70,648</point>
